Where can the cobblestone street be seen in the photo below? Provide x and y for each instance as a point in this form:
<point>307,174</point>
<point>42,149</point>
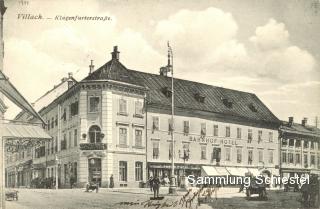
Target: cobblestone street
<point>139,198</point>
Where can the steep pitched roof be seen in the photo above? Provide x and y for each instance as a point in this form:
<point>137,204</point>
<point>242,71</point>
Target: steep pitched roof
<point>242,104</point>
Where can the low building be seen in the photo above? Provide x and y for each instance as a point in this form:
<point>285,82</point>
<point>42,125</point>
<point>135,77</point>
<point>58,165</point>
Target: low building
<point>300,148</point>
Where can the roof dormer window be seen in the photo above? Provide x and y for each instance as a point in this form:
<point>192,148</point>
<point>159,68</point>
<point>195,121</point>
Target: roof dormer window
<point>199,97</point>
<point>166,91</point>
<point>252,107</point>
<point>227,102</point>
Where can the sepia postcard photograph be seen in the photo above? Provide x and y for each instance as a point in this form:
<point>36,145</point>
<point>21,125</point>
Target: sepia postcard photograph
<point>159,104</point>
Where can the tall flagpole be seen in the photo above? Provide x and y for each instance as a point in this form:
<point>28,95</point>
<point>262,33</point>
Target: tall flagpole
<point>172,187</point>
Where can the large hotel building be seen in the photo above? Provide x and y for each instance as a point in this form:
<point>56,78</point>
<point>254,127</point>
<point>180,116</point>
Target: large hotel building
<point>117,122</point>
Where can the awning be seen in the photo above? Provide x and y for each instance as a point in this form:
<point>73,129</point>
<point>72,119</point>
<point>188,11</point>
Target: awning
<point>243,171</point>
<point>14,95</point>
<point>236,171</point>
<point>254,171</point>
<point>23,131</point>
<point>209,171</point>
<point>222,171</point>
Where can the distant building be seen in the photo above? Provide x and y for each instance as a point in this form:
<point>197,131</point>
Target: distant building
<point>116,121</point>
<point>300,148</point>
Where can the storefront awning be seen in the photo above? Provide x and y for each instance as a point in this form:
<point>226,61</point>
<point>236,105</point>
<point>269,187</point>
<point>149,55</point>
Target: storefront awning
<point>254,171</point>
<point>23,131</point>
<point>237,171</point>
<point>243,171</point>
<point>209,171</point>
<point>222,171</point>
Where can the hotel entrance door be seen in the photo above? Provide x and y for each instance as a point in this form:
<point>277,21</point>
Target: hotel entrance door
<point>95,170</point>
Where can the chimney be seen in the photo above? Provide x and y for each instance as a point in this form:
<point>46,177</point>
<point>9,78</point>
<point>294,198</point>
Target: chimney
<point>290,121</point>
<point>115,53</point>
<point>70,74</point>
<point>91,67</point>
<point>304,121</point>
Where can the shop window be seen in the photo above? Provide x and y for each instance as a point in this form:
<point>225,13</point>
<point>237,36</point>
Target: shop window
<point>270,157</point>
<point>139,171</point>
<point>249,135</point>
<point>138,108</point>
<point>284,157</point>
<point>250,157</point>
<point>215,130</point>
<point>94,103</point>
<point>203,130</point>
<point>74,108</point>
<point>227,131</point>
<point>155,123</point>
<point>238,133</point>
<point>138,138</point>
<point>270,136</point>
<point>259,136</point>
<point>122,106</point>
<point>260,156</point>
<point>155,150</point>
<point>186,127</point>
<point>123,171</point>
<point>298,160</point>
<point>239,155</point>
<point>95,134</point>
<point>122,136</point>
<point>228,153</point>
<point>203,152</point>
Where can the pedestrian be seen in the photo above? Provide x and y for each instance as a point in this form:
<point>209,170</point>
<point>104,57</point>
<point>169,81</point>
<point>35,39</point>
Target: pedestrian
<point>156,186</point>
<point>151,183</point>
<point>111,185</point>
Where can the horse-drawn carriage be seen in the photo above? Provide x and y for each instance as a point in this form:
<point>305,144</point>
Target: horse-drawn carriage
<point>12,195</point>
<point>255,188</point>
<point>310,192</point>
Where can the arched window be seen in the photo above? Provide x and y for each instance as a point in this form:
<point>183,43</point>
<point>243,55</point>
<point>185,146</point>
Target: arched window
<point>95,134</point>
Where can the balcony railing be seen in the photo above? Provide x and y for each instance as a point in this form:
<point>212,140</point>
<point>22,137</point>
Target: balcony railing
<point>93,146</point>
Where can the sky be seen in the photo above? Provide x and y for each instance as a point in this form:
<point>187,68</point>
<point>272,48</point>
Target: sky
<point>269,48</point>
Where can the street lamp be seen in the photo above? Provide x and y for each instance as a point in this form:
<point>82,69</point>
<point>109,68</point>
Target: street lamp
<point>185,156</point>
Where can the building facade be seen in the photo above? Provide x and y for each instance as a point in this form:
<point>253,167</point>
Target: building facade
<point>300,148</point>
<point>115,125</point>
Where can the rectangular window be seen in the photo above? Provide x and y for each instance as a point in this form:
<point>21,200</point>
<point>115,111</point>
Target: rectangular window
<point>215,130</point>
<point>75,137</point>
<point>74,108</point>
<point>284,157</point>
<point>94,103</point>
<point>270,136</point>
<point>186,127</point>
<point>203,152</point>
<point>48,125</point>
<point>290,157</point>
<point>270,157</point>
<point>239,155</point>
<point>305,144</point>
<point>56,121</point>
<point>228,153</point>
<point>64,115</point>
<point>155,123</point>
<point>250,157</point>
<point>139,171</point>
<point>284,142</point>
<point>312,159</point>
<point>312,144</point>
<point>298,143</point>
<point>298,160</point>
<point>170,125</point>
<point>318,160</point>
<point>260,156</point>
<point>56,144</point>
<point>138,108</point>
<point>122,136</point>
<point>155,150</point>
<point>138,138</point>
<point>238,133</point>
<point>203,130</point>
<point>52,122</point>
<point>64,142</point>
<point>52,146</point>
<point>259,136</point>
<point>70,139</point>
<point>305,160</point>
<point>227,131</point>
<point>123,106</point>
<point>291,142</point>
<point>249,135</point>
<point>123,171</point>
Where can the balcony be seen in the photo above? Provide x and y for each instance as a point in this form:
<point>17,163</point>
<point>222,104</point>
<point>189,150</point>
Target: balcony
<point>93,146</point>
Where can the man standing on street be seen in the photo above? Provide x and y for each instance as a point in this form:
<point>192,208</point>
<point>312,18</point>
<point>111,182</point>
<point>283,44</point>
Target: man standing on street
<point>156,186</point>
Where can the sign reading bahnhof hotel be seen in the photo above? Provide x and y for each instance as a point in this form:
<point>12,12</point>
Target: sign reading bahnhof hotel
<point>213,141</point>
